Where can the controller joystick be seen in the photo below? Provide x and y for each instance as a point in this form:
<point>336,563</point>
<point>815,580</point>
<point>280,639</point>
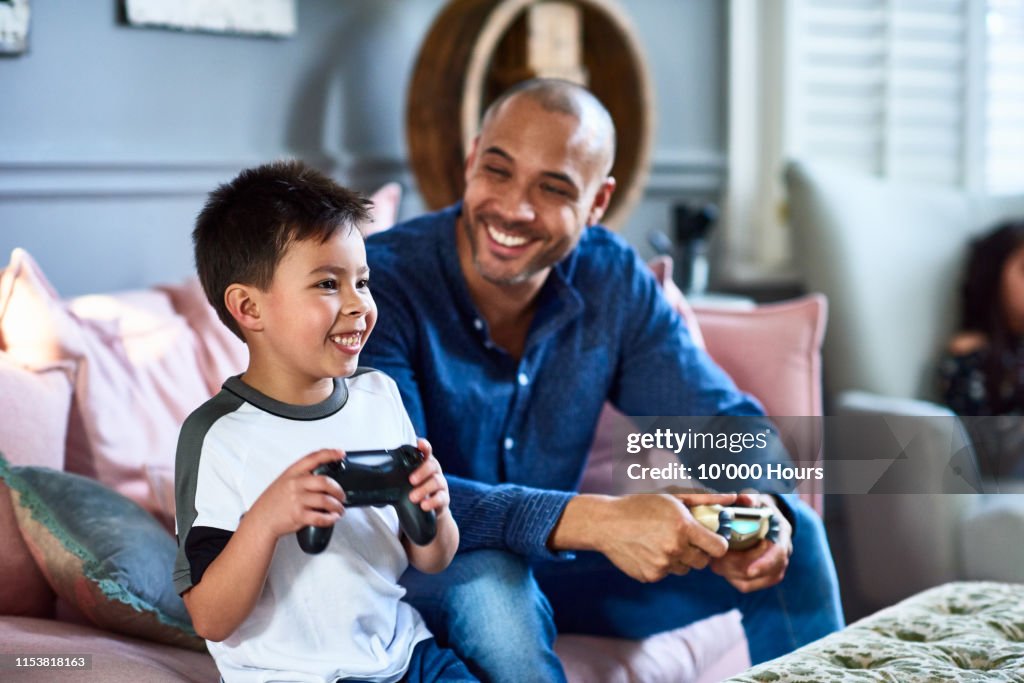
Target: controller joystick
<point>742,527</point>
<point>373,478</point>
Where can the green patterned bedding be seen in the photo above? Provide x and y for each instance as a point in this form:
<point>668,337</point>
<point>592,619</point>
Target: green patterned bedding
<point>970,631</point>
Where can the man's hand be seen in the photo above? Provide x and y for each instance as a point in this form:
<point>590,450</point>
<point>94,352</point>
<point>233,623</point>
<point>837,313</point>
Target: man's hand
<point>765,564</point>
<point>299,498</point>
<point>647,536</point>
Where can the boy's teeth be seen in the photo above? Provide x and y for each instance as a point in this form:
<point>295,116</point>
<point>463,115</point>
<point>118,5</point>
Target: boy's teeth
<point>347,340</point>
<point>505,239</point>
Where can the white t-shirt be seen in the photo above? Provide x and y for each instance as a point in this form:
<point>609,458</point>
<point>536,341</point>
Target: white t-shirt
<point>320,617</point>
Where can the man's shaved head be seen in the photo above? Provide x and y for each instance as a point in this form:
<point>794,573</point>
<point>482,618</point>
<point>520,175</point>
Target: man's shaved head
<point>565,97</point>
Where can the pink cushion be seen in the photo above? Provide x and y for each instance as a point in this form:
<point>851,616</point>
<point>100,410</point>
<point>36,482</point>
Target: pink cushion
<point>386,201</point>
<point>685,654</point>
<point>773,351</point>
<point>661,266</point>
<point>35,407</point>
<point>137,365</point>
<point>221,353</point>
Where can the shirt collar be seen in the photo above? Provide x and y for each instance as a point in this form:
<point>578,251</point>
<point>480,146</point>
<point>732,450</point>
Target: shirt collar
<point>329,406</point>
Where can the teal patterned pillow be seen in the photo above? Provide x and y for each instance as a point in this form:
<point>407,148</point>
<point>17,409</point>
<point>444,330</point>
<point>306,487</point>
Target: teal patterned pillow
<point>101,552</point>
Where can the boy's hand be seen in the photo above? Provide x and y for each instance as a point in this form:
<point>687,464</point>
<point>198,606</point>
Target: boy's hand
<point>430,488</point>
<point>298,498</point>
<point>430,492</point>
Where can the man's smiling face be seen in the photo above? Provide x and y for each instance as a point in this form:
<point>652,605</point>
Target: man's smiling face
<point>534,180</point>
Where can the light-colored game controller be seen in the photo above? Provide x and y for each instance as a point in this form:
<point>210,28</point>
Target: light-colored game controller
<point>742,527</point>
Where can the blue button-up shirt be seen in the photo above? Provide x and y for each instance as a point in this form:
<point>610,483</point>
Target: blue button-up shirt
<point>513,435</point>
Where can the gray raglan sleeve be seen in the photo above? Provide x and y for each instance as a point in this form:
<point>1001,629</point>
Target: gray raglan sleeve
<point>195,473</point>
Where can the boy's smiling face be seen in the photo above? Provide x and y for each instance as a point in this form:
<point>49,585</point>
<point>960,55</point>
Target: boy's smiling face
<point>313,319</point>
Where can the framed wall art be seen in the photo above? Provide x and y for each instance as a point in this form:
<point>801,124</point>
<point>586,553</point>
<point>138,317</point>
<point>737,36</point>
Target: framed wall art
<point>14,16</point>
<point>275,18</point>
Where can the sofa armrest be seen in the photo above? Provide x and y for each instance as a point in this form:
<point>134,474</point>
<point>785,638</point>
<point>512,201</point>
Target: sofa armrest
<point>867,402</point>
<point>909,473</point>
<point>881,444</point>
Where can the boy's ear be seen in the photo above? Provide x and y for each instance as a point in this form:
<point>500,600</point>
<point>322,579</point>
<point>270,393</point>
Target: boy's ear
<point>242,302</point>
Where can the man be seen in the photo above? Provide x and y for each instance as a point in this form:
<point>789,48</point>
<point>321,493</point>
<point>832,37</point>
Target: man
<point>507,322</point>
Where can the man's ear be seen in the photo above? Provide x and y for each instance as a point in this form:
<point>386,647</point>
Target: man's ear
<point>601,201</point>
<point>242,302</point>
<point>470,159</point>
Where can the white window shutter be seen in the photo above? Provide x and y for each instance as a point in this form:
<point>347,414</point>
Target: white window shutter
<point>880,86</point>
<point>1004,89</point>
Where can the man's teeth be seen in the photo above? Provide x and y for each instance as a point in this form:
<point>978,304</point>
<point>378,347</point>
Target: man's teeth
<point>505,239</point>
<point>347,339</point>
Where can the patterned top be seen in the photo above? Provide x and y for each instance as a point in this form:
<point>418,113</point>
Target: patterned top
<point>964,390</point>
<point>996,427</point>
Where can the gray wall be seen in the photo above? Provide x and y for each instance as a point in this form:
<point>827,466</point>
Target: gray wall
<point>112,135</point>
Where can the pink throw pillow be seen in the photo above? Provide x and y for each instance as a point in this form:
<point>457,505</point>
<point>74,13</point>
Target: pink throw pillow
<point>772,351</point>
<point>137,373</point>
<point>386,201</point>
<point>34,405</point>
<point>661,266</point>
<point>221,353</point>
<point>35,408</point>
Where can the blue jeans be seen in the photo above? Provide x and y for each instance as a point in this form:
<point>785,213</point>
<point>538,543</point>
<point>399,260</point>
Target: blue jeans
<point>500,614</point>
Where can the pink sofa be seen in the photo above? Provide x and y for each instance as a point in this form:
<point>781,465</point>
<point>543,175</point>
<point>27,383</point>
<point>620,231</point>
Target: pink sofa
<point>98,385</point>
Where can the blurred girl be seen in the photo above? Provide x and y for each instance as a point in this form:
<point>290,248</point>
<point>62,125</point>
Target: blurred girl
<point>982,372</point>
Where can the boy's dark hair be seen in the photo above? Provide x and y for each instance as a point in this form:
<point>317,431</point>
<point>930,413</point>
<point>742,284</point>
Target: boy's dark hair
<point>247,224</point>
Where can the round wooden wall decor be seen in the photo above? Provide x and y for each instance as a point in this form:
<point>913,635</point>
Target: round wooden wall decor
<point>475,49</point>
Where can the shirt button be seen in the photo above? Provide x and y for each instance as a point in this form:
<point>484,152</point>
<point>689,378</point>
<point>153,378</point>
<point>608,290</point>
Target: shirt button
<point>523,379</point>
<point>509,443</point>
<point>478,324</point>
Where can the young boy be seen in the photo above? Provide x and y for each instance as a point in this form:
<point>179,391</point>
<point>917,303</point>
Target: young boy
<point>283,263</point>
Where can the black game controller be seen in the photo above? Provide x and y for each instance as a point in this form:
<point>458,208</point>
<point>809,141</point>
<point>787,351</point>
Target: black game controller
<point>371,478</point>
